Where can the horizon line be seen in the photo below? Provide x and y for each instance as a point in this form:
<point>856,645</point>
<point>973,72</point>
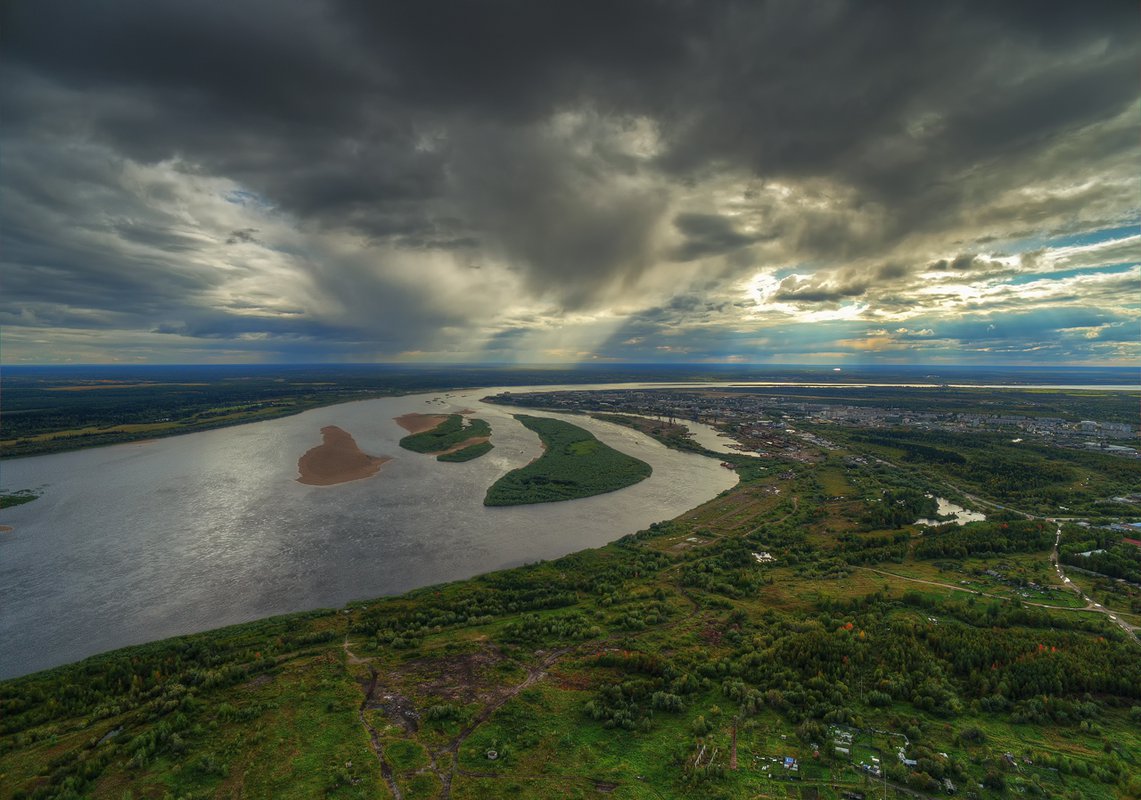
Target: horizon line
<point>569,365</point>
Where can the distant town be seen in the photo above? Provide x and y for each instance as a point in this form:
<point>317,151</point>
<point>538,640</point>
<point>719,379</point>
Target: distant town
<point>764,422</point>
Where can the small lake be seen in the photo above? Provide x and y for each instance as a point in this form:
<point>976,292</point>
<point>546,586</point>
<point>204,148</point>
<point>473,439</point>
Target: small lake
<point>958,514</point>
<point>142,541</point>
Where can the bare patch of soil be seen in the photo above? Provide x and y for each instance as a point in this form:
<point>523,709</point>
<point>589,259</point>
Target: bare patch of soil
<point>465,443</point>
<point>337,460</point>
<point>259,681</point>
<point>463,678</point>
<point>399,709</point>
<point>418,423</point>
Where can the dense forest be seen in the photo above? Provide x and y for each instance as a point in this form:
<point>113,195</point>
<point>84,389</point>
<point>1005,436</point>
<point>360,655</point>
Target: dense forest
<point>573,464</point>
<point>1026,475</point>
<point>1101,550</point>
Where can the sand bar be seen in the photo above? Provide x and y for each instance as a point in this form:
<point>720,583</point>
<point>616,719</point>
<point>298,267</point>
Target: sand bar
<point>465,443</point>
<point>6,529</point>
<point>337,460</point>
<point>418,423</point>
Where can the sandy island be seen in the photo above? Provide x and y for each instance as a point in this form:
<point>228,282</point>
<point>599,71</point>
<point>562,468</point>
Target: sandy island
<point>337,460</point>
<point>418,423</point>
<point>6,529</point>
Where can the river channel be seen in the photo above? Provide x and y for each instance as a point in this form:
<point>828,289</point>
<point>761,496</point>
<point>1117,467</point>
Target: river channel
<point>142,541</point>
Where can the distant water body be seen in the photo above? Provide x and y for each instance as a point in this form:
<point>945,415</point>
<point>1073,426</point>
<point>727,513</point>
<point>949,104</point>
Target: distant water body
<point>142,541</point>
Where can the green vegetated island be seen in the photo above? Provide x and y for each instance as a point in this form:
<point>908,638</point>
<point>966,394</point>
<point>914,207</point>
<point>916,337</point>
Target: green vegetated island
<point>451,439</point>
<point>798,636</point>
<point>18,497</point>
<point>574,464</point>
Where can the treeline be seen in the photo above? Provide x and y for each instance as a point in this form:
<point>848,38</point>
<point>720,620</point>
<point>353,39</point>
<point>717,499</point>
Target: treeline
<point>1110,555</point>
<point>897,507</point>
<point>142,678</point>
<point>985,538</point>
<point>156,692</point>
<point>727,567</point>
<point>1027,473</point>
<point>837,667</point>
<point>873,549</point>
<point>913,450</point>
<point>404,622</point>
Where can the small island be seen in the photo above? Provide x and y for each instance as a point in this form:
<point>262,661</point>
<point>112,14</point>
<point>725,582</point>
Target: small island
<point>18,497</point>
<point>574,464</point>
<point>337,460</point>
<point>445,436</point>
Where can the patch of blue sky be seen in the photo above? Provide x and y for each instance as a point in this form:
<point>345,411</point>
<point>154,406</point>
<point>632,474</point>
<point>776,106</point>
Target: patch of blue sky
<point>1072,240</point>
<point>1106,269</point>
<point>242,197</point>
<point>1095,237</point>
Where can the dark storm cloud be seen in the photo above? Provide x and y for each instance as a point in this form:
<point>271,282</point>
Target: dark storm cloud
<point>796,290</point>
<point>504,341</point>
<point>502,130</point>
<point>780,86</point>
<point>243,235</point>
<point>966,262</point>
<point>891,272</point>
<point>572,222</point>
<point>67,239</point>
<point>708,235</point>
<point>899,99</point>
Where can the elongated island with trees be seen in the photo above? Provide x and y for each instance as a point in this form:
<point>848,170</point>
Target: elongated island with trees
<point>574,464</point>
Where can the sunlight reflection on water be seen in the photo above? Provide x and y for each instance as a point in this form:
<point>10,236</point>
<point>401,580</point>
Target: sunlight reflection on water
<point>141,541</point>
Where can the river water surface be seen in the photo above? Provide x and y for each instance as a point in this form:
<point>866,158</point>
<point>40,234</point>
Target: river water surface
<point>137,542</point>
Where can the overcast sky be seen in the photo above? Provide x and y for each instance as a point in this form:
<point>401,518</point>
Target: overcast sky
<point>785,182</point>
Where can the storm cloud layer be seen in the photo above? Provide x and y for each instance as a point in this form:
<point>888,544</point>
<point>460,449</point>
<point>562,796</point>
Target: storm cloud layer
<point>521,181</point>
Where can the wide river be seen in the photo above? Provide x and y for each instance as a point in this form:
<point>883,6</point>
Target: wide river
<point>137,542</point>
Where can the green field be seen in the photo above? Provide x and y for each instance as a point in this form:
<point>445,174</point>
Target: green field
<point>573,464</point>
<point>448,434</point>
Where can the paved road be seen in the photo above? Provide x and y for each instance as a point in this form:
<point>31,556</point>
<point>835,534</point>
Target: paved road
<point>1090,604</point>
